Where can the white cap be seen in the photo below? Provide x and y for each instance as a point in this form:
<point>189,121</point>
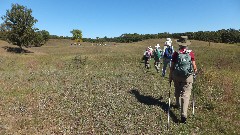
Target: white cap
<point>169,39</point>
<point>157,46</point>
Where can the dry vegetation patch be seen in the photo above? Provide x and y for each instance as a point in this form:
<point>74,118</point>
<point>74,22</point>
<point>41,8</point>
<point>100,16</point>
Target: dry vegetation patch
<point>105,90</point>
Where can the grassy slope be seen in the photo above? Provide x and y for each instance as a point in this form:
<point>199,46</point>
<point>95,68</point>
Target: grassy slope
<point>105,90</point>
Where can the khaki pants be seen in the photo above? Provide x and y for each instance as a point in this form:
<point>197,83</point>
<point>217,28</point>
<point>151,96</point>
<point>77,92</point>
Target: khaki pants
<point>183,88</point>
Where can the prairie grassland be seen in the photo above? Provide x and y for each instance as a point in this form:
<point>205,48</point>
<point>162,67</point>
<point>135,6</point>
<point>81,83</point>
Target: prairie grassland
<point>63,89</point>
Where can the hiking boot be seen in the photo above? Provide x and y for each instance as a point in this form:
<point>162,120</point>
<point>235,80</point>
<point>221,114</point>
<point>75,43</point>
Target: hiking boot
<point>176,106</point>
<point>183,120</point>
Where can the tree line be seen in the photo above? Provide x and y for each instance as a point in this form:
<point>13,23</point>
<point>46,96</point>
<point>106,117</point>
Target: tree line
<point>220,36</point>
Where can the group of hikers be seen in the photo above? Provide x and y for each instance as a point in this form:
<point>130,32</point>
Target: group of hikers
<point>157,54</point>
<point>182,69</point>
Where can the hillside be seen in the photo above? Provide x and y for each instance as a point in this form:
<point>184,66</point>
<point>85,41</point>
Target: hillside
<point>64,89</point>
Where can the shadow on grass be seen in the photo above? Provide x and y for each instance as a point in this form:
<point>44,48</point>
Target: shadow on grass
<point>15,50</point>
<point>149,100</point>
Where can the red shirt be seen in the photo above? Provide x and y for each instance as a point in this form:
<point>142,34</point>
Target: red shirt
<point>175,55</point>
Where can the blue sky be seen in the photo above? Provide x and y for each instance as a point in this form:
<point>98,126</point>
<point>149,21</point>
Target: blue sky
<point>111,18</point>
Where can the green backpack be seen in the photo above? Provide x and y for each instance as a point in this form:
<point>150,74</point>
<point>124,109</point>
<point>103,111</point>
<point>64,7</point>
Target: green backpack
<point>183,66</point>
<point>157,53</point>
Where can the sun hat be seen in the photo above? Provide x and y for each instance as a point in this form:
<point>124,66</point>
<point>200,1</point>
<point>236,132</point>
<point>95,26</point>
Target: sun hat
<point>157,46</point>
<point>168,39</point>
<point>183,41</point>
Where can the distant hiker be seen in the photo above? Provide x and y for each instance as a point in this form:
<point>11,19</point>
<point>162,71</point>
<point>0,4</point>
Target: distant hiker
<point>181,72</point>
<point>146,57</point>
<point>151,50</point>
<point>157,54</point>
<point>167,43</point>
<point>167,57</point>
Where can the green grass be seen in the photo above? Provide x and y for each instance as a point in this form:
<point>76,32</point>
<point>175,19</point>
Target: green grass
<point>63,89</point>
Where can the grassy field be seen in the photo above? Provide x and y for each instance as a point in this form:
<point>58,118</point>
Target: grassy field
<point>63,89</point>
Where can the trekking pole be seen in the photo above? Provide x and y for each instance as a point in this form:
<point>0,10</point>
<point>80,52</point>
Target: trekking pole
<point>193,102</point>
<point>169,100</point>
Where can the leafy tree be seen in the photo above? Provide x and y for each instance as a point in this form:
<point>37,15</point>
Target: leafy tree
<point>40,38</point>
<point>45,34</point>
<point>77,35</point>
<point>2,35</point>
<point>54,37</point>
<point>97,39</point>
<point>19,23</point>
<point>2,32</point>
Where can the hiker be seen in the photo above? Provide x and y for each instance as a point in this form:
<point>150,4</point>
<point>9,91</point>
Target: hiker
<point>157,54</point>
<point>181,72</point>
<point>150,49</point>
<point>167,57</point>
<point>167,43</point>
<point>146,57</point>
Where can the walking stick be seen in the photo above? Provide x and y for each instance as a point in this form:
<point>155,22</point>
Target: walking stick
<point>193,102</point>
<point>169,100</point>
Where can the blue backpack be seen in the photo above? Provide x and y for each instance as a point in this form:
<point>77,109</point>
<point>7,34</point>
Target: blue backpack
<point>168,53</point>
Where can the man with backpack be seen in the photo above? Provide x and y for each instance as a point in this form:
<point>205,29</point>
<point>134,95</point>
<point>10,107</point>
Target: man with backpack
<point>167,43</point>
<point>157,53</point>
<point>167,57</point>
<point>181,72</point>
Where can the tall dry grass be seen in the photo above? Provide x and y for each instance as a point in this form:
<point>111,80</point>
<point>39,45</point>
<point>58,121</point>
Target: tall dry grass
<point>63,89</point>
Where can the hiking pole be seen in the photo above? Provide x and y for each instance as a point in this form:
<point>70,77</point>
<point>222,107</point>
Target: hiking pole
<point>168,126</point>
<point>193,102</point>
